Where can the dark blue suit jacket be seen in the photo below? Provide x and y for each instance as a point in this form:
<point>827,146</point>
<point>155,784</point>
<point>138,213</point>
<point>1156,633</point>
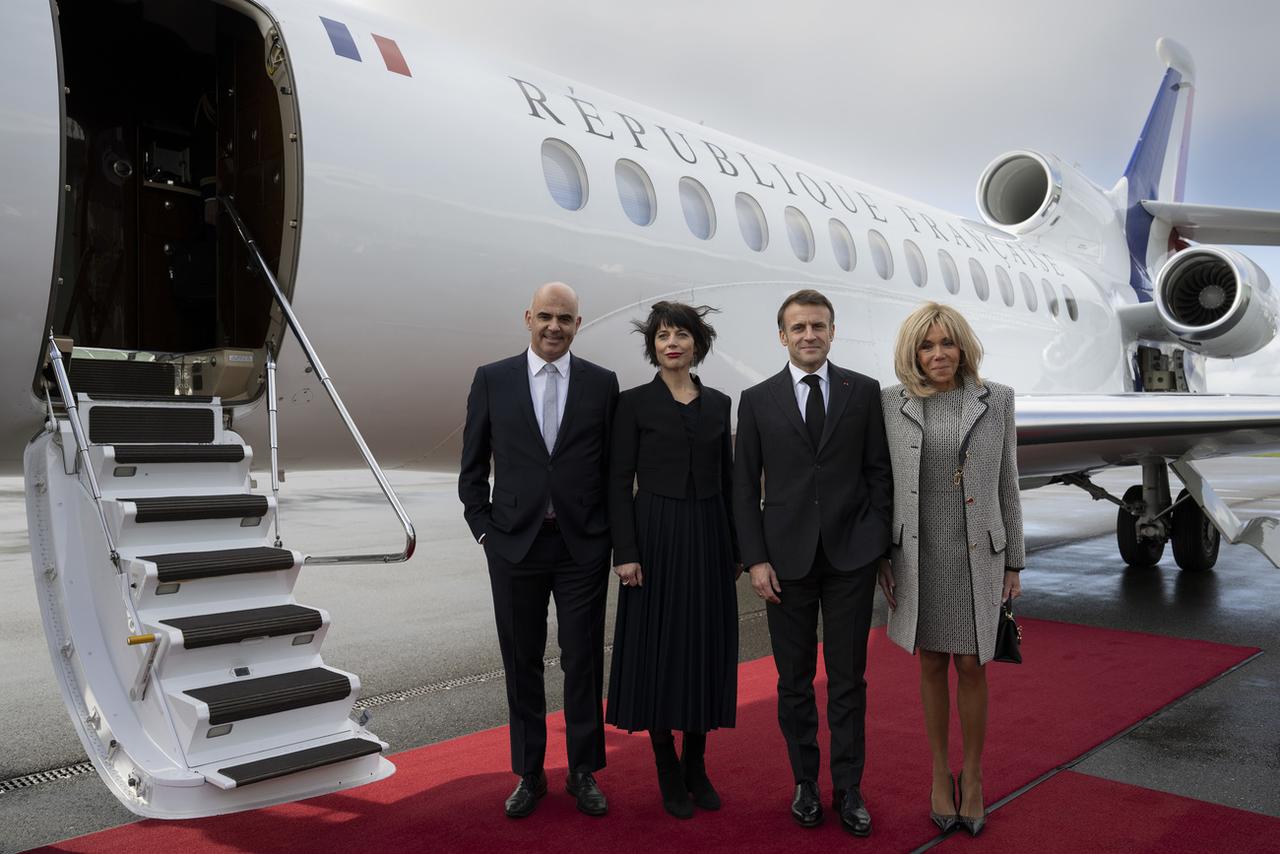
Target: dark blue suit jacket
<point>501,425</point>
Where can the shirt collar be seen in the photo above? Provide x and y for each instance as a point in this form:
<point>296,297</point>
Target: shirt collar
<point>536,362</point>
<point>798,375</point>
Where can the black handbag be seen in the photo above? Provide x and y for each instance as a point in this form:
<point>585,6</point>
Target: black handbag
<point>1008,636</point>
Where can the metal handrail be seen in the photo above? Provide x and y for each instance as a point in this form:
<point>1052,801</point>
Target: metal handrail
<point>82,444</point>
<point>274,433</point>
<point>295,326</point>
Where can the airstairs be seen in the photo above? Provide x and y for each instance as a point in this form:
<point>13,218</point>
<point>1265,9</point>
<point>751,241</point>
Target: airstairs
<point>193,676</point>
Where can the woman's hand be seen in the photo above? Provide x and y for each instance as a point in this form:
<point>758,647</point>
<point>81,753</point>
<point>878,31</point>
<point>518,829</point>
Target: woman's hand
<point>887,584</point>
<point>630,574</point>
<point>1012,586</point>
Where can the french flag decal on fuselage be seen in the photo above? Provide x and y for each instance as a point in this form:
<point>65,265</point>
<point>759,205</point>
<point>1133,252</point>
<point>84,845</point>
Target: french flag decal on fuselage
<point>344,44</point>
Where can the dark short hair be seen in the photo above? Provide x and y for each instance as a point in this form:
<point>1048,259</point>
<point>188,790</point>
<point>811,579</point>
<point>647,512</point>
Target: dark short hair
<point>808,296</point>
<point>677,315</point>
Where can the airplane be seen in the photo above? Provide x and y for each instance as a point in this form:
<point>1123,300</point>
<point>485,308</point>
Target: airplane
<point>206,202</point>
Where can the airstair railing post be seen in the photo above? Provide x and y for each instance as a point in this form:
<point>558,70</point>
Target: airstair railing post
<point>410,536</point>
<point>275,439</point>
<point>82,444</point>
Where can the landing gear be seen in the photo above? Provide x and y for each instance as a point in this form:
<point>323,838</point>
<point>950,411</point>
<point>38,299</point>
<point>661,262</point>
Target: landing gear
<point>1136,549</point>
<point>1148,518</point>
<point>1195,538</point>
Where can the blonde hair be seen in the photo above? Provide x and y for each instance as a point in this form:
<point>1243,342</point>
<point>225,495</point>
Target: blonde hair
<point>906,361</point>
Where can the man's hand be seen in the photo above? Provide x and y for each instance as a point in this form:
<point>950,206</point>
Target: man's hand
<point>765,582</point>
<point>887,583</point>
<point>630,574</point>
<point>1012,586</point>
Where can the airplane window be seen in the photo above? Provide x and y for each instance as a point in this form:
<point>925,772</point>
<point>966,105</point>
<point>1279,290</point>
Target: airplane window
<point>566,179</point>
<point>698,210</point>
<point>1073,309</point>
<point>950,275</point>
<point>635,191</point>
<point>979,275</point>
<point>1028,292</point>
<point>1050,298</point>
<point>881,254</point>
<point>751,222</point>
<point>842,245</point>
<point>915,263</point>
<point>800,233</point>
<point>1005,284</point>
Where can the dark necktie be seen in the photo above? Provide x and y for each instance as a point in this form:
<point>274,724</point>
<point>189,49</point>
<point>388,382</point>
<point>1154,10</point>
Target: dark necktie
<point>815,414</point>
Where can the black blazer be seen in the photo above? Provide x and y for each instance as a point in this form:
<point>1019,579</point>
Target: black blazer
<point>652,450</point>
<point>842,491</point>
<point>501,423</point>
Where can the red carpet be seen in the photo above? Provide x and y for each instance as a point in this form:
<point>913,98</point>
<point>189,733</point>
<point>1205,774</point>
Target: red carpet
<point>1078,687</point>
<point>1121,819</point>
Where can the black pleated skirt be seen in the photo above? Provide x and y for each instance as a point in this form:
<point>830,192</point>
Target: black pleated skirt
<point>675,645</point>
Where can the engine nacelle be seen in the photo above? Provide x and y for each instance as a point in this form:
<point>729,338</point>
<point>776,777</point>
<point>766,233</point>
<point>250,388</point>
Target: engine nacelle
<point>1216,301</point>
<point>1039,196</point>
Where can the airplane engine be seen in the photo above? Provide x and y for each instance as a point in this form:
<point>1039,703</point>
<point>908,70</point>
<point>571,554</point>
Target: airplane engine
<point>1216,301</point>
<point>1029,193</point>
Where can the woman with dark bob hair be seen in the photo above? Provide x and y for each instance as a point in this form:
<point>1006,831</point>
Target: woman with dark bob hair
<point>675,648</point>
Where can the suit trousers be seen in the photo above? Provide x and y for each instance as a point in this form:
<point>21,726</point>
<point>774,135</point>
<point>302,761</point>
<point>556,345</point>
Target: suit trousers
<point>521,592</point>
<point>845,600</point>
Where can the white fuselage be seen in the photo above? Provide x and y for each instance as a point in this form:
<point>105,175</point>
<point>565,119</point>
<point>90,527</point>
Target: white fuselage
<point>427,223</point>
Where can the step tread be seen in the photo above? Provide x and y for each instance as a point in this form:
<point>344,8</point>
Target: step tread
<point>302,760</point>
<point>266,695</point>
<point>186,566</point>
<point>234,626</point>
<point>121,377</point>
<point>185,508</point>
<point>110,425</point>
<point>139,454</point>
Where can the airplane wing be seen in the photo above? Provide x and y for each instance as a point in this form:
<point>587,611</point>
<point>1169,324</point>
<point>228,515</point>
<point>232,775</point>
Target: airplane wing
<point>1064,434</point>
<point>1216,224</point>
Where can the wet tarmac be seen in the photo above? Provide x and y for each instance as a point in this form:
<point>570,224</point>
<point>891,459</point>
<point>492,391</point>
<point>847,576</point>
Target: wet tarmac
<point>421,637</point>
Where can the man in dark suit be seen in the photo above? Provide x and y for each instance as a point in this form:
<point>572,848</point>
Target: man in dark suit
<point>816,434</point>
<point>545,418</point>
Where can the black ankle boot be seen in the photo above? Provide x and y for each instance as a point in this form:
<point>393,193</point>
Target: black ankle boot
<point>694,771</point>
<point>675,798</point>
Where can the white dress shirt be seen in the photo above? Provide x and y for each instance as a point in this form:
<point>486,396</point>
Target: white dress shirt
<point>801,388</point>
<point>538,384</point>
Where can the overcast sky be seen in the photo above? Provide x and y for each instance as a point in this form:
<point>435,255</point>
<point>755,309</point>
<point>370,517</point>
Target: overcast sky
<point>917,97</point>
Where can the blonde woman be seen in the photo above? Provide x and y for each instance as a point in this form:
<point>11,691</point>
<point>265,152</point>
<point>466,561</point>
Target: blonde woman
<point>957,535</point>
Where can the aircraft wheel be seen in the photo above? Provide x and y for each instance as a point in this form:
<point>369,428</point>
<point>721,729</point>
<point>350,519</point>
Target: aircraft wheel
<point>1135,551</point>
<point>1195,539</point>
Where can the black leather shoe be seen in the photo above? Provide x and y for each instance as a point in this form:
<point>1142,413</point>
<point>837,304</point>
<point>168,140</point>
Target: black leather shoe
<point>806,806</point>
<point>853,811</point>
<point>583,786</point>
<point>524,799</point>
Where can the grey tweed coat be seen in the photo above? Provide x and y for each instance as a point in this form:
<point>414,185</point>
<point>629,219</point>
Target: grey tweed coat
<point>993,508</point>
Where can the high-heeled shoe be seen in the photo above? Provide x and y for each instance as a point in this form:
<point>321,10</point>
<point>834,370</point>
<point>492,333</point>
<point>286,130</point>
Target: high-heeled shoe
<point>972,825</point>
<point>946,823</point>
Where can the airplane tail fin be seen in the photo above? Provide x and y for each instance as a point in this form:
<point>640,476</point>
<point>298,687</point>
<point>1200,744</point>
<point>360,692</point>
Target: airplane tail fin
<point>1158,167</point>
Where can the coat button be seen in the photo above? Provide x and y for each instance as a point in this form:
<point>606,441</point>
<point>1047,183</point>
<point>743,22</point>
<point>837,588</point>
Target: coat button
<point>969,500</point>
<point>972,546</point>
